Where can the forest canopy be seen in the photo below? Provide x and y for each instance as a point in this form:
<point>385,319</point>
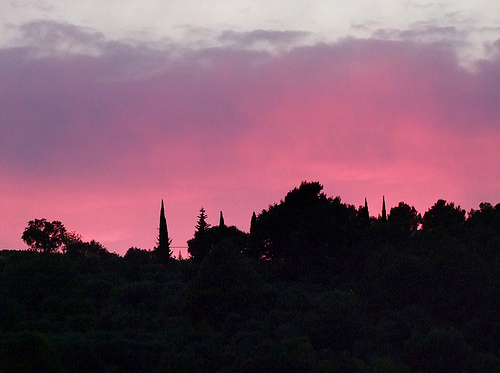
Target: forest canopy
<point>317,285</point>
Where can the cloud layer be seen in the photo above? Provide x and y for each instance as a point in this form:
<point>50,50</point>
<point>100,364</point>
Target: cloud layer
<point>95,132</point>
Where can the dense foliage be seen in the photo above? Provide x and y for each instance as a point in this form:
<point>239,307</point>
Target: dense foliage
<point>314,287</point>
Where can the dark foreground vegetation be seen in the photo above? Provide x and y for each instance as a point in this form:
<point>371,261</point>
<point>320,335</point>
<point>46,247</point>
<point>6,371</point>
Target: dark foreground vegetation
<point>317,286</point>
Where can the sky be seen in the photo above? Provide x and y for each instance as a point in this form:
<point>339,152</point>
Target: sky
<point>108,107</point>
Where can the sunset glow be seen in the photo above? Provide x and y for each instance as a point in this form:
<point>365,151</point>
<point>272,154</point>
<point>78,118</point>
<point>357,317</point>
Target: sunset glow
<point>96,127</point>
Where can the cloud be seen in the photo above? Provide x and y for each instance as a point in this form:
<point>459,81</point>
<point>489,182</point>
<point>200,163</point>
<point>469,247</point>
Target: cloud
<point>275,38</point>
<point>234,129</point>
<point>423,32</point>
<point>218,94</point>
<point>39,5</point>
<point>468,38</point>
<point>50,36</point>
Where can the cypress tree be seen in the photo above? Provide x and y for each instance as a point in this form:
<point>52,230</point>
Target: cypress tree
<point>364,215</point>
<point>221,221</point>
<point>253,222</point>
<point>384,213</point>
<point>163,252</point>
<point>253,249</point>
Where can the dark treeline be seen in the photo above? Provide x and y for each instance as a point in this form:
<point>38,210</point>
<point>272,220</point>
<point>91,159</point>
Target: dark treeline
<point>316,286</point>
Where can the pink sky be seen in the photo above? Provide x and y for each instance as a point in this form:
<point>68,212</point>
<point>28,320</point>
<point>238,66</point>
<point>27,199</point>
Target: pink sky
<point>97,138</point>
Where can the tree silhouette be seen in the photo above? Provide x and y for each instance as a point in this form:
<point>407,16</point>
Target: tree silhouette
<point>75,248</point>
<point>42,235</point>
<point>253,221</point>
<point>364,215</point>
<point>138,256</point>
<point>206,238</point>
<point>444,217</point>
<point>202,224</point>
<point>306,226</point>
<point>384,213</point>
<point>198,247</point>
<point>483,227</point>
<point>486,217</point>
<point>403,219</point>
<point>162,251</point>
<point>221,220</point>
<point>253,241</point>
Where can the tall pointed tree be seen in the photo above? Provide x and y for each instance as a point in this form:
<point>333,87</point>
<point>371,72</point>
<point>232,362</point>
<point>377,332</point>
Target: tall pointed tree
<point>253,221</point>
<point>253,245</point>
<point>162,250</point>
<point>364,215</point>
<point>221,221</point>
<point>384,213</point>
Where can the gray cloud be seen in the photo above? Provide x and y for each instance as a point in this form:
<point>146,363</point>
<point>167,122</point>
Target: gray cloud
<point>50,36</point>
<point>425,33</point>
<point>276,38</point>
